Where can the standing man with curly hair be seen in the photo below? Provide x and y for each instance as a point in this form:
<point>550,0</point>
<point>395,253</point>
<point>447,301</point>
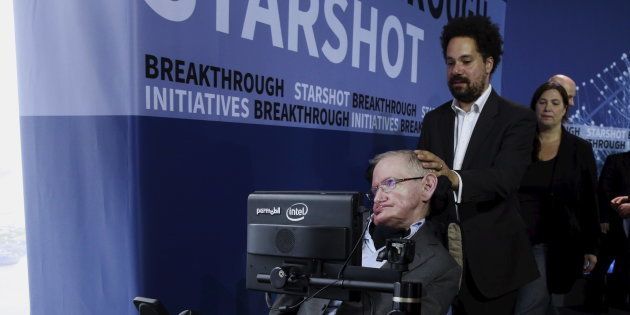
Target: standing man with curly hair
<point>483,144</point>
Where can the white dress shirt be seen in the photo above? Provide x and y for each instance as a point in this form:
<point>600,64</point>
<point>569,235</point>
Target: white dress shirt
<point>464,125</point>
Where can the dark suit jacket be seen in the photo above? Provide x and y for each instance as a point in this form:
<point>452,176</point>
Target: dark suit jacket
<point>495,243</point>
<point>432,266</point>
<point>614,181</point>
<point>572,227</point>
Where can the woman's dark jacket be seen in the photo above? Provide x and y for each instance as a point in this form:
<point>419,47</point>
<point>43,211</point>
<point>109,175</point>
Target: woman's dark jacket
<point>570,212</point>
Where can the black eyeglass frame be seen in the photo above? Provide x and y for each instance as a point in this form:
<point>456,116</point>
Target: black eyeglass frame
<point>374,190</point>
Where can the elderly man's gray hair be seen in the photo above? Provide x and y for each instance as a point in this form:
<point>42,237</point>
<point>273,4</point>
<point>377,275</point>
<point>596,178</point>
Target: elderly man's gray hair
<point>413,163</point>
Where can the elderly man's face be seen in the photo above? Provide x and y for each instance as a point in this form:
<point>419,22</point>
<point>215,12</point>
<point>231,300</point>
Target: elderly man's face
<point>400,207</point>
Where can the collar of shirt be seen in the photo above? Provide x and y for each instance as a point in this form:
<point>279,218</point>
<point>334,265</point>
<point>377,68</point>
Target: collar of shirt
<point>369,253</point>
<point>477,106</point>
<point>367,238</point>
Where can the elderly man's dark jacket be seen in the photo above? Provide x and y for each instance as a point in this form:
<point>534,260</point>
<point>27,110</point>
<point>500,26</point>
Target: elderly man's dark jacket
<point>432,266</point>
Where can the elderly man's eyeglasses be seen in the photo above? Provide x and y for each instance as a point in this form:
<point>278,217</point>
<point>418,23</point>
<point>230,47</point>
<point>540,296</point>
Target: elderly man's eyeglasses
<point>389,184</point>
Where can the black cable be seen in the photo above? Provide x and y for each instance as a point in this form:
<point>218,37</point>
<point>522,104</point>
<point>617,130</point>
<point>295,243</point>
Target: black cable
<point>268,300</point>
<point>359,241</point>
<point>284,308</point>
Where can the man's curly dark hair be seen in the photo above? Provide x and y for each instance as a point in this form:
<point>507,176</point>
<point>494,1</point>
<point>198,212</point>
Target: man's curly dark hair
<point>480,28</point>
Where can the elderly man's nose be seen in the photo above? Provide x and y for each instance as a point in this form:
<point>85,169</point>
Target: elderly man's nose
<point>380,195</point>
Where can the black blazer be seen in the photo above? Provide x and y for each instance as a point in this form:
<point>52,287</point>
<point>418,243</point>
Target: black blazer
<point>571,212</point>
<point>614,181</point>
<point>495,243</point>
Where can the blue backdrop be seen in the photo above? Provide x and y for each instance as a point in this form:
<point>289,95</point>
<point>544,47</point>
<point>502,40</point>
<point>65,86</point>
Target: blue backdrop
<point>138,155</point>
<point>587,41</point>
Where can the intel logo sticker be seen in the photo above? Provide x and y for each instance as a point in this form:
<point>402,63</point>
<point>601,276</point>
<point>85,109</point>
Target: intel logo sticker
<point>296,212</point>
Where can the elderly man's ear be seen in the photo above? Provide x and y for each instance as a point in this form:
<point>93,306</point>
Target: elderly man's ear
<point>428,187</point>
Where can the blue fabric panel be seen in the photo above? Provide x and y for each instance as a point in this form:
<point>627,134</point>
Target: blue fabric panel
<point>79,192</point>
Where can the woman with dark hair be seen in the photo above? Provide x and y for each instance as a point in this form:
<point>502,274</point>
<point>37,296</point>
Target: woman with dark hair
<point>558,203</point>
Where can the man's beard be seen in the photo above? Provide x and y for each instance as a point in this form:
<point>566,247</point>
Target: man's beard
<point>469,94</point>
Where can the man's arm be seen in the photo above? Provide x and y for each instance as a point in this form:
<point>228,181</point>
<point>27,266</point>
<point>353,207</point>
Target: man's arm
<point>621,204</point>
<point>606,190</point>
<point>424,142</point>
<point>426,152</point>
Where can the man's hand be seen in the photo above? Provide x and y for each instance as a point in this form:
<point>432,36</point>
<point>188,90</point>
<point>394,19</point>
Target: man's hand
<point>433,163</point>
<point>604,227</point>
<point>622,205</point>
<point>589,262</point>
<point>624,210</point>
<point>615,202</point>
